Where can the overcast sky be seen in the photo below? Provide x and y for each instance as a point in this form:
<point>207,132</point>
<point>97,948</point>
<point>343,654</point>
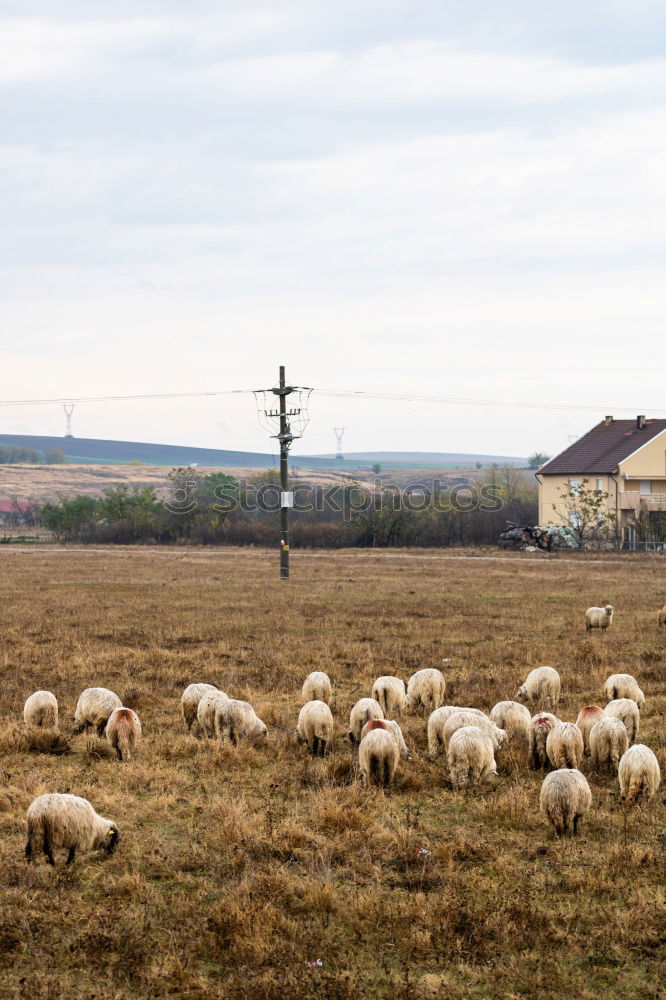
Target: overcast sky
<point>453,198</point>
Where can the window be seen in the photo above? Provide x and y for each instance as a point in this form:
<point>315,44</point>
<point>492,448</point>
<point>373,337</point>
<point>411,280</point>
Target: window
<point>646,486</point>
<point>600,485</point>
<point>574,487</point>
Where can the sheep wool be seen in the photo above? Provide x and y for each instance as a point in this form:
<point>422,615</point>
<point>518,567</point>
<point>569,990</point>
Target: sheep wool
<point>56,821</point>
<point>608,741</point>
<point>123,732</point>
<point>364,710</point>
<point>206,711</point>
<point>599,617</point>
<point>438,719</point>
<point>541,687</point>
<point>237,720</point>
<point>458,720</point>
<point>565,797</point>
<point>512,717</point>
<point>470,757</point>
<point>315,726</point>
<point>426,689</point>
<point>540,728</point>
<point>378,756</point>
<point>639,775</point>
<point>389,726</point>
<point>587,718</point>
<point>624,686</point>
<point>94,708</point>
<point>627,712</point>
<point>390,693</point>
<point>317,687</point>
<point>661,620</point>
<point>564,745</point>
<point>189,702</point>
<point>41,710</point>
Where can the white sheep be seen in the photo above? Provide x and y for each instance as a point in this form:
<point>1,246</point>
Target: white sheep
<point>460,719</point>
<point>438,719</point>
<point>540,728</point>
<point>315,726</point>
<point>317,687</point>
<point>123,732</point>
<point>364,710</point>
<point>624,686</point>
<point>189,702</point>
<point>626,710</point>
<point>57,821</point>
<point>94,708</point>
<point>391,726</point>
<point>608,741</point>
<point>470,756</point>
<point>512,717</point>
<point>564,745</point>
<point>541,687</point>
<point>237,720</point>
<point>378,756</point>
<point>586,719</point>
<point>41,710</point>
<point>426,689</point>
<point>565,796</point>
<point>599,617</point>
<point>390,693</point>
<point>639,775</point>
<point>206,711</point>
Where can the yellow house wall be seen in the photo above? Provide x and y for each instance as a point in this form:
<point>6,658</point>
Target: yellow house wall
<point>648,463</point>
<point>550,495</point>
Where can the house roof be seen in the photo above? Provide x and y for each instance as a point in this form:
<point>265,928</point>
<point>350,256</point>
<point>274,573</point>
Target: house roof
<point>603,448</point>
<point>8,506</point>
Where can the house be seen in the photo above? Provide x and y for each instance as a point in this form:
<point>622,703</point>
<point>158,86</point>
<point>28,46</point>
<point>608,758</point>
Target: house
<point>17,512</point>
<point>624,458</point>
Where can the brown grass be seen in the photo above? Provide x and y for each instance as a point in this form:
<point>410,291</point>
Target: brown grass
<point>237,868</point>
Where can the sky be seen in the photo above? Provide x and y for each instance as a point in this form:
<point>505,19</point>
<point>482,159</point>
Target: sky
<point>458,199</point>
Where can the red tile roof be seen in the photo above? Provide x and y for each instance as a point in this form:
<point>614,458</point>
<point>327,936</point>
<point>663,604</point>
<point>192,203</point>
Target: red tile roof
<point>603,448</point>
<point>7,506</point>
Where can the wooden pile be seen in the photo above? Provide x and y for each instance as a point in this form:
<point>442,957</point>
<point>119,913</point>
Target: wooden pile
<point>547,538</point>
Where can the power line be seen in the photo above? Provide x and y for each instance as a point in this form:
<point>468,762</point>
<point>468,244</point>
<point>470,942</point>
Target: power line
<point>114,399</point>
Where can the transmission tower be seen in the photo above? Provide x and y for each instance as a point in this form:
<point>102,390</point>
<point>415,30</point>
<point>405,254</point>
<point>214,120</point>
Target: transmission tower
<point>339,431</point>
<point>69,409</point>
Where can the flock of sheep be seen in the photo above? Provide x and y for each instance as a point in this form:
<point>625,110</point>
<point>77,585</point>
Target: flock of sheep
<point>467,737</point>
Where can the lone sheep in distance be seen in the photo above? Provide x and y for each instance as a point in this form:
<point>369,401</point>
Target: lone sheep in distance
<point>587,718</point>
<point>599,617</point>
<point>626,710</point>
<point>94,708</point>
<point>56,821</point>
<point>624,686</point>
<point>513,717</point>
<point>426,689</point>
<point>639,775</point>
<point>564,745</point>
<point>41,710</point>
<point>390,693</point>
<point>317,687</point>
<point>470,757</point>
<point>315,726</point>
<point>565,797</point>
<point>364,710</point>
<point>123,732</point>
<point>378,756</point>
<point>540,728</point>
<point>541,688</point>
<point>608,741</point>
<point>189,702</point>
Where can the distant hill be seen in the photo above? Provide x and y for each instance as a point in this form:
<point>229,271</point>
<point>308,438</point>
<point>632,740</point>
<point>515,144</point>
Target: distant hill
<point>93,451</point>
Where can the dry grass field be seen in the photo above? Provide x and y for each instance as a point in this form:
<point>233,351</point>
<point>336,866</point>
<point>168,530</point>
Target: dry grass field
<point>261,872</point>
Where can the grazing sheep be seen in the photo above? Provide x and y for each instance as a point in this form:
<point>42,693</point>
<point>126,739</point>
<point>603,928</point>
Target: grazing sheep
<point>189,702</point>
<point>565,796</point>
<point>599,617</point>
<point>426,689</point>
<point>627,712</point>
<point>458,720</point>
<point>437,721</point>
<point>41,710</point>
<point>608,741</point>
<point>315,726</point>
<point>564,745</point>
<point>540,728</point>
<point>624,686</point>
<point>587,718</point>
<point>317,687</point>
<point>639,775</point>
<point>470,756</point>
<point>237,720</point>
<point>378,756</point>
<point>661,620</point>
<point>541,687</point>
<point>206,711</point>
<point>55,821</point>
<point>123,732</point>
<point>364,710</point>
<point>513,717</point>
<point>94,708</point>
<point>390,693</point>
<point>390,726</point>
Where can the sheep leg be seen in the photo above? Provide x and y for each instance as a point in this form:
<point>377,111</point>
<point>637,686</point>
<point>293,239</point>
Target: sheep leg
<point>101,726</point>
<point>315,746</point>
<point>575,824</point>
<point>70,855</point>
<point>322,748</point>
<point>47,848</point>
<point>28,849</point>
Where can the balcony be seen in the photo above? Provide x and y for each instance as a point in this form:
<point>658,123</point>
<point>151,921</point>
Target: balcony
<point>635,501</point>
